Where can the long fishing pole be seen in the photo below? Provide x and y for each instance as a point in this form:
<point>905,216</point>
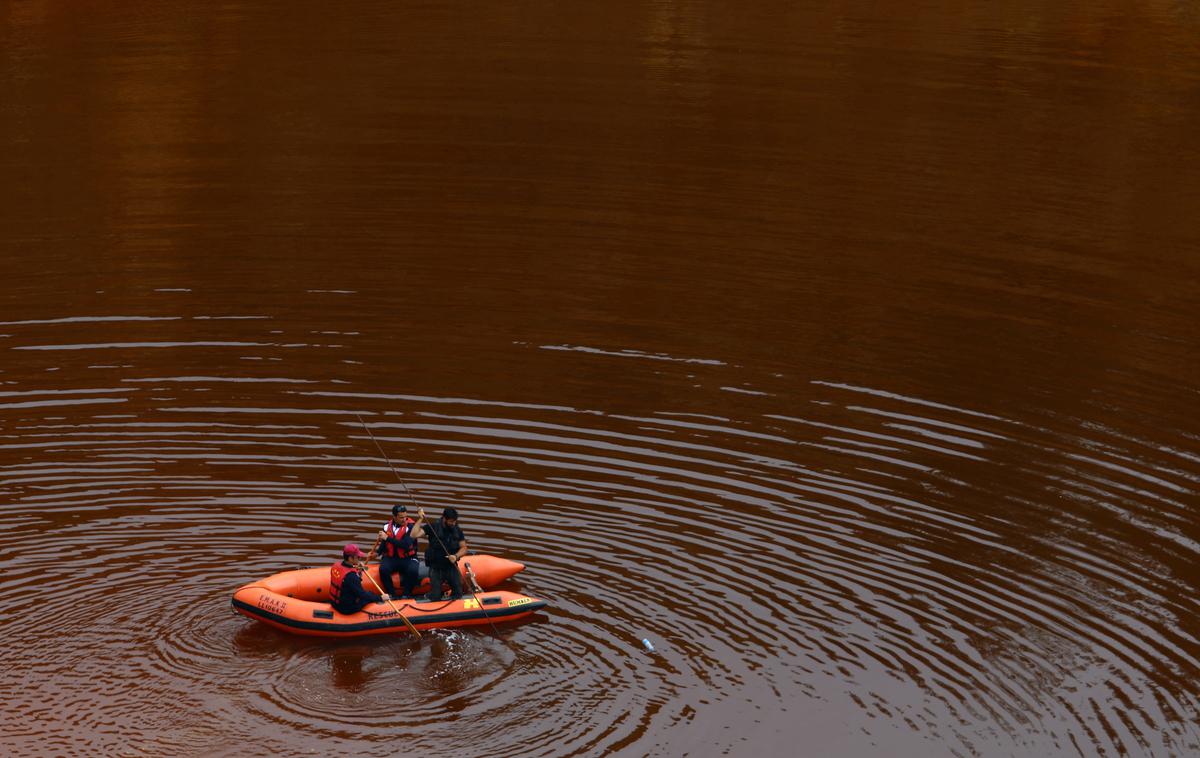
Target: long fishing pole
<point>389,463</point>
<point>429,531</point>
<point>389,460</point>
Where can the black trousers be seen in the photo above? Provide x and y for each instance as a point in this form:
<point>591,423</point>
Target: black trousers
<point>448,573</point>
<point>408,569</point>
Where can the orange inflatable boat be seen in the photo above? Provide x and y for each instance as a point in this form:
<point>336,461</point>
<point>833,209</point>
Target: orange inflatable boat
<point>297,602</point>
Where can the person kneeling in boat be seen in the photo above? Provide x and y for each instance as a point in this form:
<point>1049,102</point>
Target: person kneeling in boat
<point>447,546</point>
<point>345,583</point>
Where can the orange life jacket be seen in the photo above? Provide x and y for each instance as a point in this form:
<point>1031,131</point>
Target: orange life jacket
<point>396,533</point>
<point>337,572</point>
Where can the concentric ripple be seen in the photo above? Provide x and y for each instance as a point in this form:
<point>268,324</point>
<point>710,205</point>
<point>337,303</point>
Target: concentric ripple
<point>813,561</point>
<point>830,366</point>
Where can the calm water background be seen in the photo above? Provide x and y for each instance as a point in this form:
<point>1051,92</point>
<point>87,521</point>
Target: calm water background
<point>845,351</point>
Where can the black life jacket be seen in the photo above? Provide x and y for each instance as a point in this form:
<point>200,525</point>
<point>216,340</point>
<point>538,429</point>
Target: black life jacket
<point>439,534</point>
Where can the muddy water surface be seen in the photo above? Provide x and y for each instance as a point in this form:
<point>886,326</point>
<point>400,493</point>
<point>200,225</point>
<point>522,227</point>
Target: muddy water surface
<point>847,354</point>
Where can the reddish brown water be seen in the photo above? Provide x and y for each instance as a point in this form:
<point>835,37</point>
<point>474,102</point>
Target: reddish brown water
<point>845,351</point>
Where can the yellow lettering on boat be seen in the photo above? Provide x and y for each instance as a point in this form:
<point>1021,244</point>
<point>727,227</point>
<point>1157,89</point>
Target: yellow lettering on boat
<point>520,601</point>
<point>471,605</point>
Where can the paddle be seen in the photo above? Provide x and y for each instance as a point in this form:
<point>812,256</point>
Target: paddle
<point>375,547</point>
<point>407,623</point>
<point>471,577</point>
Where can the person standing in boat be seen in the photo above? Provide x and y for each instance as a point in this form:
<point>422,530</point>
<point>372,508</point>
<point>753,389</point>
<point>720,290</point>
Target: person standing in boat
<point>345,583</point>
<point>397,548</point>
<point>447,545</point>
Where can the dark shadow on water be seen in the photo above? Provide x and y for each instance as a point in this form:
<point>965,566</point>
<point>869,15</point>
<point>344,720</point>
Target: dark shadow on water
<point>447,662</point>
<point>345,657</point>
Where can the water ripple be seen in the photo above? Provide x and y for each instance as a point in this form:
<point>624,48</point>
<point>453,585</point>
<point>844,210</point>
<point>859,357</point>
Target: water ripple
<point>702,533</point>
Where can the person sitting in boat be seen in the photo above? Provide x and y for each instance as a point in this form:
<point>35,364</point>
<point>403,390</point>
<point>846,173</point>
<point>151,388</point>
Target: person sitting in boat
<point>398,553</point>
<point>345,583</point>
<point>447,546</point>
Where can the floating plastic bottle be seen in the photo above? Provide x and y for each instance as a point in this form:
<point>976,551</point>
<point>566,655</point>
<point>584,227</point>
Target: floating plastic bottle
<point>649,647</point>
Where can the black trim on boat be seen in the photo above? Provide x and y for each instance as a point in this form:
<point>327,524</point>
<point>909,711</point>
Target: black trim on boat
<point>387,623</point>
